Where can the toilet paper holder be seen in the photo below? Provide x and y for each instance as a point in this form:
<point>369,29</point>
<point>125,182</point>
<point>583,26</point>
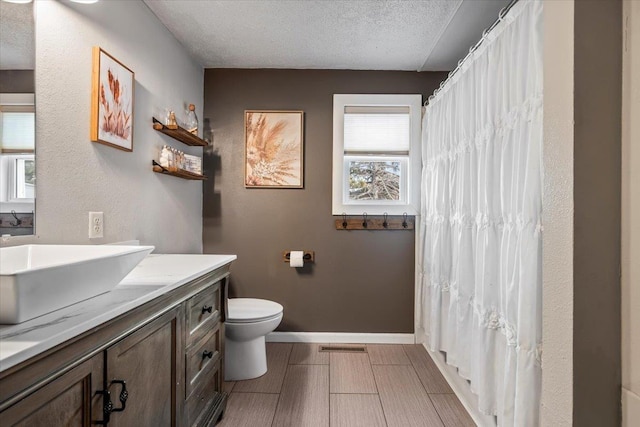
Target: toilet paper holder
<point>309,256</point>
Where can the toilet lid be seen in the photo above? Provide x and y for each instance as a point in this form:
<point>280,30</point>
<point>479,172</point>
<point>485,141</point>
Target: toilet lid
<point>252,309</point>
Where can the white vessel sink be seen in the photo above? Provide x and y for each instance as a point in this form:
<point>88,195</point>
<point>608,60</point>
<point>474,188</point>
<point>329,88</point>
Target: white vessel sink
<point>39,279</point>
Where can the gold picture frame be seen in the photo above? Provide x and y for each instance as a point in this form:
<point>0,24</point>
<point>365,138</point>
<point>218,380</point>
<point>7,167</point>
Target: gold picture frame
<point>273,149</point>
<point>112,101</point>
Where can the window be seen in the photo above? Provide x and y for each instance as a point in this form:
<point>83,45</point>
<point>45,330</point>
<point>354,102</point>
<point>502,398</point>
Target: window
<point>376,154</point>
<point>17,129</point>
<point>18,171</point>
<point>17,123</point>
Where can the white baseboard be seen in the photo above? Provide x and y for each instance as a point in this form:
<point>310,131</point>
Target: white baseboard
<point>420,335</point>
<point>461,388</point>
<point>340,337</point>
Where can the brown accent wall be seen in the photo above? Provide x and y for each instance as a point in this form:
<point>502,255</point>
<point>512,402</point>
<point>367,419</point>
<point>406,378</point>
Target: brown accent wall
<point>361,281</point>
<point>597,139</point>
<point>17,81</point>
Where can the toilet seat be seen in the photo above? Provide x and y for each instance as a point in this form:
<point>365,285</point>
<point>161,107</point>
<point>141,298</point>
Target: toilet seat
<point>251,310</point>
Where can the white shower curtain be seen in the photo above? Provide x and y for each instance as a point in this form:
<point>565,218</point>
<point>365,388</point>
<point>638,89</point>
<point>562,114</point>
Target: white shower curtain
<point>480,244</point>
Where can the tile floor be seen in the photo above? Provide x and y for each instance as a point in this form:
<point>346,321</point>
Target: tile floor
<point>390,385</point>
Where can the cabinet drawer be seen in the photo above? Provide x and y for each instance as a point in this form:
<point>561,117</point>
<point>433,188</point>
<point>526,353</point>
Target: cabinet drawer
<point>203,396</point>
<point>203,311</point>
<point>201,358</point>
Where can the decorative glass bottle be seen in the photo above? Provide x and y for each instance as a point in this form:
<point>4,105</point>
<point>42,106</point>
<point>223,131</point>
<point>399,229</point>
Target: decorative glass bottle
<point>192,120</point>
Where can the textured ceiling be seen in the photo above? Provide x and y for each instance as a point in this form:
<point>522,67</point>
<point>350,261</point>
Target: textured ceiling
<point>328,34</point>
<point>17,41</point>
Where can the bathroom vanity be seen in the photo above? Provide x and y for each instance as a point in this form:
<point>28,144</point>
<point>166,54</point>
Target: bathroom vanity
<point>150,352</point>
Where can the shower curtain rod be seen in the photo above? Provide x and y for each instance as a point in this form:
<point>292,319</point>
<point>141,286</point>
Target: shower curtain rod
<point>501,15</point>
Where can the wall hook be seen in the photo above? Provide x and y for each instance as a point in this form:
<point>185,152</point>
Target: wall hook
<point>385,224</point>
<point>344,220</point>
<point>18,221</point>
<point>404,220</point>
<point>364,220</point>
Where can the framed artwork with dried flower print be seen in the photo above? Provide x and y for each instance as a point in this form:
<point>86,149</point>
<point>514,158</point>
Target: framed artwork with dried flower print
<point>111,101</point>
<point>273,149</point>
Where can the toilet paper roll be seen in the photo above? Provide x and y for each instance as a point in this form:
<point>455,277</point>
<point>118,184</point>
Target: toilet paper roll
<point>296,259</point>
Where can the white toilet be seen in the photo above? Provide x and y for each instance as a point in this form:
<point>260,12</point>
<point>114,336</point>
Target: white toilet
<point>249,320</point>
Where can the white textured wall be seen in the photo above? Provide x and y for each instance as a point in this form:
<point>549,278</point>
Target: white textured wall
<point>631,216</point>
<point>74,175</point>
<point>557,263</point>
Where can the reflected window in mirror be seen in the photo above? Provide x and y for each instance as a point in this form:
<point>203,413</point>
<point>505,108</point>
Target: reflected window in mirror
<point>21,179</point>
<point>17,164</point>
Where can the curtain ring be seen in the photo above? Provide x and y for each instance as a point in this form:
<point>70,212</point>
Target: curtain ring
<point>344,220</point>
<point>385,224</point>
<point>364,220</point>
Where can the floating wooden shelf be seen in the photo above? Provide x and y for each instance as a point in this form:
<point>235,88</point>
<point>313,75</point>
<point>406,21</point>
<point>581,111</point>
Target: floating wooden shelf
<point>375,223</point>
<point>179,134</point>
<point>179,173</point>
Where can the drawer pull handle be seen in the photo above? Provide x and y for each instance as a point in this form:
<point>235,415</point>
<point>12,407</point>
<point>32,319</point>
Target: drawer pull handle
<point>206,308</point>
<point>124,395</point>
<point>206,354</point>
<point>107,407</point>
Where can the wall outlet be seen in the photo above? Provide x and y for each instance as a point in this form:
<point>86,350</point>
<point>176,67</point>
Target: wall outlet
<point>96,225</point>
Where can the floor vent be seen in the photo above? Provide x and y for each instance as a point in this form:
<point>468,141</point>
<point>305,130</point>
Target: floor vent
<point>343,349</point>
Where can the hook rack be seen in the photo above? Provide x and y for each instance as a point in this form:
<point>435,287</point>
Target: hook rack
<point>378,222</point>
<point>309,256</point>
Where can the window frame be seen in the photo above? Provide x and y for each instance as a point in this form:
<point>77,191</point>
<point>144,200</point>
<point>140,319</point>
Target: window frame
<point>10,162</point>
<point>412,176</point>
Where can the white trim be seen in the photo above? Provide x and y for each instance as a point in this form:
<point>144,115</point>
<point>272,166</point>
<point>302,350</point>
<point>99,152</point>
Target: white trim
<point>461,388</point>
<point>17,99</point>
<point>630,408</point>
<point>341,337</point>
<point>418,328</point>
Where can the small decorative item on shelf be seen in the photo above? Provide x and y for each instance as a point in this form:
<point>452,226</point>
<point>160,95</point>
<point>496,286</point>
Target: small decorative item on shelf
<point>192,120</point>
<point>193,163</point>
<point>165,154</point>
<point>174,160</point>
<point>172,124</point>
<point>166,116</point>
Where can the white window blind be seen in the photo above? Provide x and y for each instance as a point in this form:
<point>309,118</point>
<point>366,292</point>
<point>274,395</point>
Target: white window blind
<point>377,129</point>
<point>17,130</point>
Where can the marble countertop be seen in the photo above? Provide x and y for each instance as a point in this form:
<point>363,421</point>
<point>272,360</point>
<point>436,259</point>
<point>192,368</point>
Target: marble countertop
<point>153,277</point>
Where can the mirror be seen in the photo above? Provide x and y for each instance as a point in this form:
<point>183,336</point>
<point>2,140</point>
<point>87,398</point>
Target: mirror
<point>17,119</point>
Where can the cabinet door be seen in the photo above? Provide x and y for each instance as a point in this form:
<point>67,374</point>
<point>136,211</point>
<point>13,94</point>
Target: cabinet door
<point>70,400</point>
<point>146,362</point>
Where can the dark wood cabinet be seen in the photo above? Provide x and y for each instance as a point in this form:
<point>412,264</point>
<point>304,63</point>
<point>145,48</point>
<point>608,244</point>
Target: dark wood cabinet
<point>70,400</point>
<point>143,366</point>
<point>159,365</point>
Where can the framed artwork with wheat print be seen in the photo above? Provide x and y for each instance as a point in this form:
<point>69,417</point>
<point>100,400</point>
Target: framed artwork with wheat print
<point>273,149</point>
<point>111,101</point>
